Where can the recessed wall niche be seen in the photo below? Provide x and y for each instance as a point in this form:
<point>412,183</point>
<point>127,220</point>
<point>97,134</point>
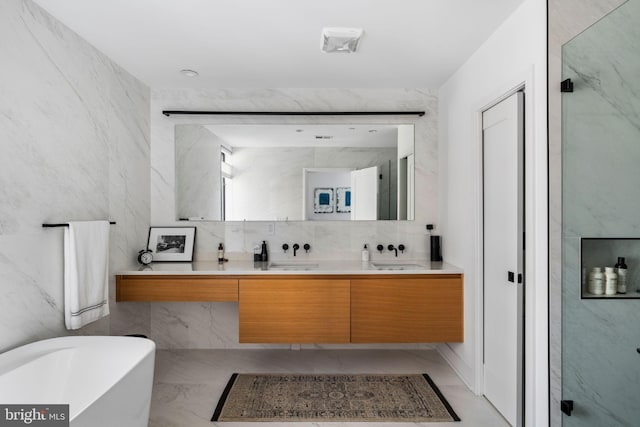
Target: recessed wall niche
<point>604,252</point>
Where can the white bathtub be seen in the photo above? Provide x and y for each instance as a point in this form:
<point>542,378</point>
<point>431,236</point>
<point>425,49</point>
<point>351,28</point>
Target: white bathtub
<point>106,381</point>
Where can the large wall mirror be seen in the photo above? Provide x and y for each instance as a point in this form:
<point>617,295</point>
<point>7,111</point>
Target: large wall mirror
<point>291,172</point>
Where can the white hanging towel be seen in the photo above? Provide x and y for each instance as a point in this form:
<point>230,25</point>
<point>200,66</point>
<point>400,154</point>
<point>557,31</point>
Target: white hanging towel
<point>86,269</point>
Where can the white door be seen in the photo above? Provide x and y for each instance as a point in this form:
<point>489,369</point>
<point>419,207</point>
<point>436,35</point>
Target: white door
<point>402,187</point>
<point>364,194</point>
<point>503,184</point>
<point>411,187</point>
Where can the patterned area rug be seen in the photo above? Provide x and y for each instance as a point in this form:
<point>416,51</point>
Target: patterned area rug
<point>331,398</point>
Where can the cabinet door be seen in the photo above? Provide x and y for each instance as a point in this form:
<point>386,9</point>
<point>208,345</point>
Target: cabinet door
<point>407,310</point>
<point>294,311</point>
<point>175,288</point>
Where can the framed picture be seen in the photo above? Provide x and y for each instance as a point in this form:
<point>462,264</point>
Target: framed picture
<point>172,244</point>
<point>323,200</point>
<point>343,199</point>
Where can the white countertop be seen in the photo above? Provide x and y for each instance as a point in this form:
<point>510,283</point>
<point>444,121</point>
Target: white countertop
<point>287,267</point>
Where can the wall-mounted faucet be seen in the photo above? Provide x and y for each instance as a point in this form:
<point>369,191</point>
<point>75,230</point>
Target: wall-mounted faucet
<point>400,248</point>
<point>296,247</point>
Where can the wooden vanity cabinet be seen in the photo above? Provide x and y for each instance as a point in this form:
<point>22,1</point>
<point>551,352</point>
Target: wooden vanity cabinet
<point>300,310</point>
<point>176,288</point>
<point>309,309</point>
<point>407,310</point>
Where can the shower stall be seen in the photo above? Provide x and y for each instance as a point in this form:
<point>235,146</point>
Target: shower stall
<point>601,221</point>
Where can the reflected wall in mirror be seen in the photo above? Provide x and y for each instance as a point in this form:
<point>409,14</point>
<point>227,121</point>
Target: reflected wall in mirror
<point>294,172</point>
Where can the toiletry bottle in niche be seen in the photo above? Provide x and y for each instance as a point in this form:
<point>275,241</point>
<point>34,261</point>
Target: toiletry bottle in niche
<point>611,281</point>
<point>264,254</point>
<point>596,281</point>
<point>220,254</point>
<point>365,253</point>
<point>621,271</point>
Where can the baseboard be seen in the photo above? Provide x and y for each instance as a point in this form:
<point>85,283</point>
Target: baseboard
<point>461,368</point>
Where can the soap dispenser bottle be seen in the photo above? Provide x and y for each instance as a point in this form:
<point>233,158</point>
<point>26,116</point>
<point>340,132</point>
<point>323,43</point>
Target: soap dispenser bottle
<point>264,254</point>
<point>365,253</point>
<point>220,254</point>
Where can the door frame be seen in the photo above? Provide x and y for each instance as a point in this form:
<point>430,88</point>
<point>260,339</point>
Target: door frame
<point>537,244</point>
<point>520,411</point>
<point>536,338</point>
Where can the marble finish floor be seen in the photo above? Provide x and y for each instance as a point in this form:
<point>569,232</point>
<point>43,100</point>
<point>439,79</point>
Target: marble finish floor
<point>188,383</point>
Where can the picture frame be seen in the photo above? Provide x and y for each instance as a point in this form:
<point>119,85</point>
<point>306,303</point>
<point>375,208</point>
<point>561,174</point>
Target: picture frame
<point>323,200</point>
<point>172,244</point>
<point>343,199</point>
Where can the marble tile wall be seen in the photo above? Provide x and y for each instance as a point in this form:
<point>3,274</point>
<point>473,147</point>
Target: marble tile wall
<point>586,205</point>
<point>74,132</point>
<point>197,173</point>
<point>171,323</point>
<point>567,18</point>
<point>238,236</point>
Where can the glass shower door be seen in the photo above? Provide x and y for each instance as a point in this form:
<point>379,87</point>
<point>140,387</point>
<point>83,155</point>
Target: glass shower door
<point>601,221</point>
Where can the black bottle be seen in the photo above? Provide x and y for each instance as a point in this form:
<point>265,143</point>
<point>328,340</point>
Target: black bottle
<point>436,254</point>
<point>264,255</point>
<point>621,271</point>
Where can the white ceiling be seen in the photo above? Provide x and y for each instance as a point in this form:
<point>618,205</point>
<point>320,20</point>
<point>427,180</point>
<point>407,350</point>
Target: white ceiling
<point>244,135</point>
<point>276,43</point>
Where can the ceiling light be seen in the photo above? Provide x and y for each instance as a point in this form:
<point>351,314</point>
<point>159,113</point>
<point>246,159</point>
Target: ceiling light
<point>189,73</point>
<point>340,39</point>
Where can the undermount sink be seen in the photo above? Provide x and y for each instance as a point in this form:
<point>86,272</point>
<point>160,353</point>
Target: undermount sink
<point>396,266</point>
<point>293,266</point>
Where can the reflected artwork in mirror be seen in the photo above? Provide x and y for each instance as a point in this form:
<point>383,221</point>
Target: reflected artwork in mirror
<point>292,172</point>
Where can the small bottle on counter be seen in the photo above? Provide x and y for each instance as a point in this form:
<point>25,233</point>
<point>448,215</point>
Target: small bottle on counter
<point>365,253</point>
<point>220,254</point>
<point>596,281</point>
<point>621,271</point>
<point>611,281</point>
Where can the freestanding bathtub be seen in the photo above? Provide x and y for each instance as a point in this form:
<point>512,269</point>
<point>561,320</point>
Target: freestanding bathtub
<point>106,380</point>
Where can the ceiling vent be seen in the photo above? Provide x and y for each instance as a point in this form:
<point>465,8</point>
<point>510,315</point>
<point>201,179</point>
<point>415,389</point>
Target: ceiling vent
<point>340,39</point>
